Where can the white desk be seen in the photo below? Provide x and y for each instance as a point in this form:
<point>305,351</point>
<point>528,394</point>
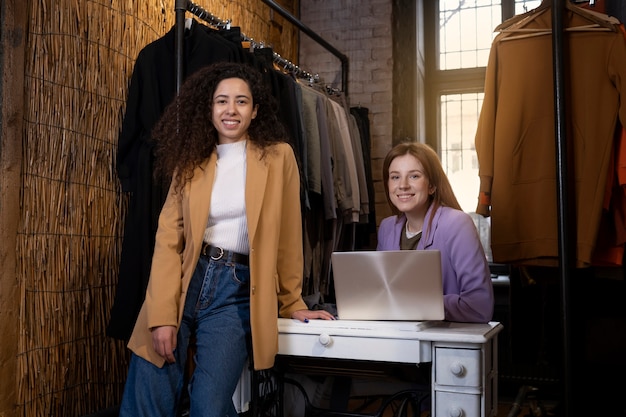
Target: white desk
<point>464,356</point>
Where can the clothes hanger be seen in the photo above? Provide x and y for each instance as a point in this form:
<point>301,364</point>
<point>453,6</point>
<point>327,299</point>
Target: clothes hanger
<point>517,19</point>
<point>597,22</point>
<point>601,20</point>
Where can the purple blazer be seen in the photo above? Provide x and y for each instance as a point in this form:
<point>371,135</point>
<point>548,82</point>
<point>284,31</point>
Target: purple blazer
<point>467,287</point>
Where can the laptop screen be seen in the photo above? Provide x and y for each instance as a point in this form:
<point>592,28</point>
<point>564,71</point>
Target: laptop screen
<point>388,285</point>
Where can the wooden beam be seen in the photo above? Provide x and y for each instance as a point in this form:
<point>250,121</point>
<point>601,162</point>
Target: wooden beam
<point>13,38</point>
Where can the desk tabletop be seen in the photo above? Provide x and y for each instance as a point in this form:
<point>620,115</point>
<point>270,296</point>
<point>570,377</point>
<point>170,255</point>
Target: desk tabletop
<point>445,331</point>
<point>426,330</point>
<point>407,342</point>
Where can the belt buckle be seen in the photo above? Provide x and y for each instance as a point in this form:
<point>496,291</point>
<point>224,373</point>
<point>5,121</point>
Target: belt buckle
<point>218,257</point>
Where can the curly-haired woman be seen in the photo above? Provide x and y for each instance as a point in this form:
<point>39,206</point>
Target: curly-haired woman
<point>228,254</point>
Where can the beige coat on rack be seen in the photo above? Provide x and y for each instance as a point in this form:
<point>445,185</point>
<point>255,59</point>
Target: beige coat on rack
<point>515,138</point>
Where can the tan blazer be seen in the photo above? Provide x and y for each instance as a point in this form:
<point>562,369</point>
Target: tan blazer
<point>276,264</point>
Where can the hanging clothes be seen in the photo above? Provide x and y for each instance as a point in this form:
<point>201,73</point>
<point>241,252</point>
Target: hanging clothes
<point>515,135</point>
<point>326,139</point>
<point>152,87</point>
<point>609,250</point>
<point>611,242</point>
<point>320,218</point>
<point>365,231</point>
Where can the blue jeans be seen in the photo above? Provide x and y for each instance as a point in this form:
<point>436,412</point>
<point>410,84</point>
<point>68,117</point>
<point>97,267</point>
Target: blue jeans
<point>217,313</point>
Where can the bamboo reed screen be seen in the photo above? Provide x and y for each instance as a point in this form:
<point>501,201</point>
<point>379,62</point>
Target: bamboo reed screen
<point>79,58</point>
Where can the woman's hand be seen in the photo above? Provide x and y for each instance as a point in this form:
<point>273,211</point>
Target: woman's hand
<point>164,342</point>
<point>306,315</point>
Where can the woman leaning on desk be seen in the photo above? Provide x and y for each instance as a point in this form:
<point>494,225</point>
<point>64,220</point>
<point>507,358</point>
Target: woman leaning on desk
<point>228,254</point>
<point>427,216</point>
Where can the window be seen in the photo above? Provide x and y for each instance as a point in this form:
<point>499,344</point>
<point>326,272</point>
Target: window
<point>523,6</point>
<point>459,38</point>
<point>465,32</point>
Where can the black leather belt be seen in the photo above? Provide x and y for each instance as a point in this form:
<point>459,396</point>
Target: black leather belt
<point>216,253</point>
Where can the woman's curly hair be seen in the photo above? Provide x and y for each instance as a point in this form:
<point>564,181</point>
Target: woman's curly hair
<point>185,136</point>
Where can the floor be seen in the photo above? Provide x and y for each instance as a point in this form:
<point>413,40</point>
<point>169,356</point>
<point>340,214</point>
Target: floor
<point>528,403</point>
<point>597,397</point>
<point>530,406</point>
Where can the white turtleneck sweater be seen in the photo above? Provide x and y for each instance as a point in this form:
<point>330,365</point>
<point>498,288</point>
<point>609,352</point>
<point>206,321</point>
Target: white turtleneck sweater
<point>227,225</point>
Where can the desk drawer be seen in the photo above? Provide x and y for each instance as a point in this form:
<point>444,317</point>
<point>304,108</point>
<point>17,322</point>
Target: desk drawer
<point>458,367</point>
<point>451,404</point>
<point>358,348</point>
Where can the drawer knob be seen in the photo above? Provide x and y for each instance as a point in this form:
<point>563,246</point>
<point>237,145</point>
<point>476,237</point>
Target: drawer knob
<point>456,412</point>
<point>325,339</point>
<point>457,369</point>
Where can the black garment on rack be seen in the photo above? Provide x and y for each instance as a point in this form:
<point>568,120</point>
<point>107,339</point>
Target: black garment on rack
<point>365,230</point>
<point>289,113</point>
<point>284,90</point>
<point>152,87</point>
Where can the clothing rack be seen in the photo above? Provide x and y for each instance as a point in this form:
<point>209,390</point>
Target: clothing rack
<point>183,6</point>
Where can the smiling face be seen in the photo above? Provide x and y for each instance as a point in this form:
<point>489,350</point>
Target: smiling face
<point>409,188</point>
<point>233,110</point>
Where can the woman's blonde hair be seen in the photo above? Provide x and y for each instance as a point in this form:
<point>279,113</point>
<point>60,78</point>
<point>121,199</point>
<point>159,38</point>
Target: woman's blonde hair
<point>443,194</point>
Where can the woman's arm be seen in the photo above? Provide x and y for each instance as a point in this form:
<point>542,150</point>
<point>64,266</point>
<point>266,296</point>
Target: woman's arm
<point>468,291</point>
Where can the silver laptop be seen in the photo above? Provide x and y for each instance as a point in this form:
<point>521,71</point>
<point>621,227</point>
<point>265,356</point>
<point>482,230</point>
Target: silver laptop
<point>388,285</point>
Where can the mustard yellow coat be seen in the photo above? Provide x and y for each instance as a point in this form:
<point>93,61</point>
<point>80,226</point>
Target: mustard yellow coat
<point>515,138</point>
<point>276,258</point>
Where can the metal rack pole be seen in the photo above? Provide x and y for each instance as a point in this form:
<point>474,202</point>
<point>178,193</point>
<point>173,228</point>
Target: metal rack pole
<point>343,58</point>
<point>563,197</point>
<point>180,8</point>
